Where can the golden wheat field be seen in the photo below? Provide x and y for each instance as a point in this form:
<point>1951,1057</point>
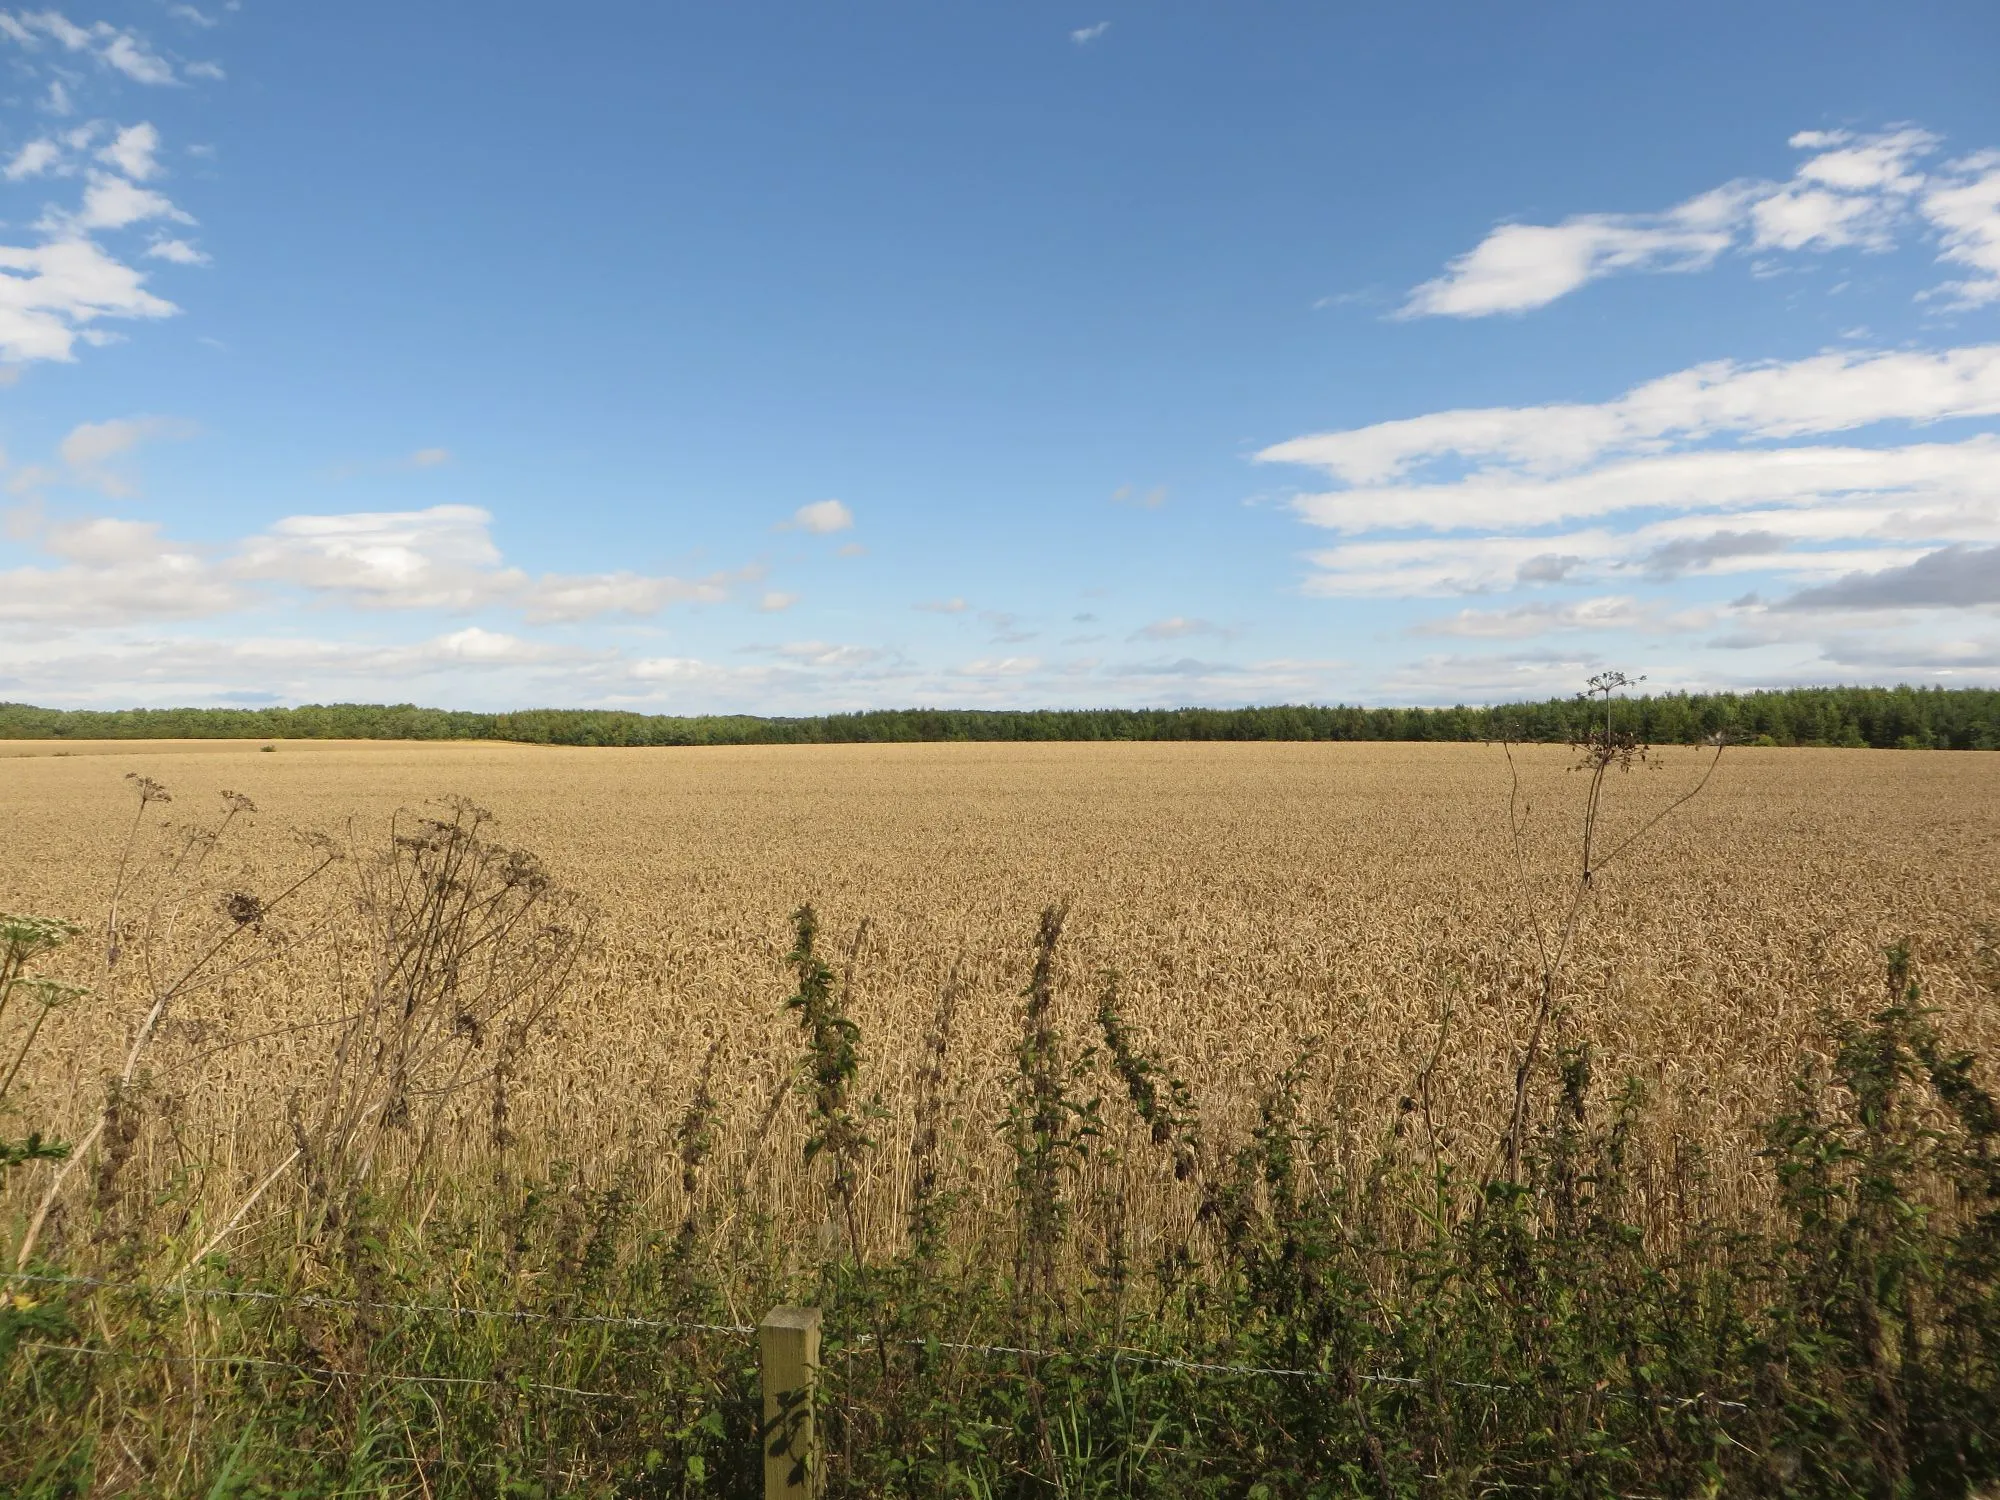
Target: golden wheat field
<point>1361,906</point>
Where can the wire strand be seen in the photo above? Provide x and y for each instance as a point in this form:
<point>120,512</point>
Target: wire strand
<point>1113,1352</point>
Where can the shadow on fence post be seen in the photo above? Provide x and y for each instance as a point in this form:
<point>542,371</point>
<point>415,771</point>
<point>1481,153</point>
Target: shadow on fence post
<point>788,1359</point>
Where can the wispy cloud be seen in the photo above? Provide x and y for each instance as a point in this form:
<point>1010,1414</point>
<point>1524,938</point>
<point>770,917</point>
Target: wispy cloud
<point>114,48</point>
<point>1853,191</point>
<point>1823,393</point>
<point>1083,36</point>
<point>92,448</point>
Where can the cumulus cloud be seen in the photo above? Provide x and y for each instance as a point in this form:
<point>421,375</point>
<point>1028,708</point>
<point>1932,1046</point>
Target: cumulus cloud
<point>1851,192</point>
<point>821,518</point>
<point>440,558</point>
<point>445,558</point>
<point>52,295</point>
<point>113,572</point>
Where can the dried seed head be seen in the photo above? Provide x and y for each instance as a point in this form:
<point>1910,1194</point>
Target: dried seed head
<point>242,908</point>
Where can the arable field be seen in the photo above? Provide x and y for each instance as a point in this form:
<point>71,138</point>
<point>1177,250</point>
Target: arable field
<point>1250,898</point>
<point>1360,915</point>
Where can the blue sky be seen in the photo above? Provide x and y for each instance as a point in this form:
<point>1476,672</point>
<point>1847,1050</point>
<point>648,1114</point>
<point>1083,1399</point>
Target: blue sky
<point>790,358</point>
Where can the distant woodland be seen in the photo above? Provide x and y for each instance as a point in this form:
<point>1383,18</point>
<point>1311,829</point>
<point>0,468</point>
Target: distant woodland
<point>1884,718</point>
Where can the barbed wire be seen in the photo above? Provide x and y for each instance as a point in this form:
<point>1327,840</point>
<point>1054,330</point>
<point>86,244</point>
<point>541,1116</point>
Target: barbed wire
<point>1114,1352</point>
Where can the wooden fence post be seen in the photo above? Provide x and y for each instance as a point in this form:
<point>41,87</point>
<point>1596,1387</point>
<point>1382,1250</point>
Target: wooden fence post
<point>788,1359</point>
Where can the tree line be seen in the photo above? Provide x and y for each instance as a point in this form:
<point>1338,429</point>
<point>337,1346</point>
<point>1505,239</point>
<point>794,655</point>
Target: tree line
<point>1883,718</point>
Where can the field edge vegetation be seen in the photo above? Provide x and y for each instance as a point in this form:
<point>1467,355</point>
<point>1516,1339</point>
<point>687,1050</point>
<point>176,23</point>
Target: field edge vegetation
<point>1882,718</point>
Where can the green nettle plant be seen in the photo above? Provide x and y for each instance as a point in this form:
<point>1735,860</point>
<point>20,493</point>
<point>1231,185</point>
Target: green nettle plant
<point>26,1001</point>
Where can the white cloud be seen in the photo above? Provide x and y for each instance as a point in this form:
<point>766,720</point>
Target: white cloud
<point>1000,666</point>
<point>430,458</point>
<point>1083,36</point>
<point>445,558</point>
<point>1508,677</point>
<point>1853,192</point>
<point>1825,393</point>
<point>1176,627</point>
<point>1709,472</point>
<point>90,448</point>
<point>557,596</point>
<point>52,294</point>
<point>1610,612</point>
<point>1931,479</point>
<point>128,55</point>
<point>775,602</point>
<point>124,666</point>
<point>179,252</point>
<point>1523,266</point>
<point>821,518</point>
<point>113,572</point>
<point>829,654</point>
<point>952,606</point>
<point>35,159</point>
<point>113,47</point>
<point>441,558</point>
<point>110,202</point>
<point>133,151</point>
<point>487,647</point>
<point>1963,205</point>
